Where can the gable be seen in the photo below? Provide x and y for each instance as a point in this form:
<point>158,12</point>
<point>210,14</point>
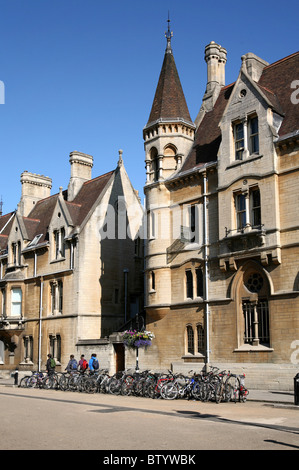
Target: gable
<point>246,98</point>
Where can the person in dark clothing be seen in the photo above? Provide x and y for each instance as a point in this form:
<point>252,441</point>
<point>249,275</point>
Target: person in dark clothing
<point>50,365</point>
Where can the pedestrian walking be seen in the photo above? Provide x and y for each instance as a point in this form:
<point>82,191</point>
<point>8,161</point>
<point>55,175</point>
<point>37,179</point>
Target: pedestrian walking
<point>50,365</point>
<point>72,364</point>
<point>93,363</point>
<point>83,364</point>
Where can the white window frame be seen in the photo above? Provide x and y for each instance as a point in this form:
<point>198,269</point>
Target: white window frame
<point>247,143</point>
<point>16,302</point>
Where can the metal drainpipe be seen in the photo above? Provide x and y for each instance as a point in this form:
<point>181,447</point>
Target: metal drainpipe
<point>206,271</point>
<point>40,325</point>
<point>35,263</point>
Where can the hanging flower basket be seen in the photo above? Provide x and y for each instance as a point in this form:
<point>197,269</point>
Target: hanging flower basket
<point>137,339</point>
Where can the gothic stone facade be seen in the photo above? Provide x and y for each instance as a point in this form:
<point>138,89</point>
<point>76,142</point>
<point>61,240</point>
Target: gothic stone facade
<point>223,234</point>
<point>71,269</point>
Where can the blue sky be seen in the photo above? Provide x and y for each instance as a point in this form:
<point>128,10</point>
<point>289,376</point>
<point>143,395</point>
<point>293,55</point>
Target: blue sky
<point>81,74</point>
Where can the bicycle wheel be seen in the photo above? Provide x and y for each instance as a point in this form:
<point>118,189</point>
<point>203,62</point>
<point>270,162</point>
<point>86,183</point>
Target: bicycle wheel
<point>169,391</point>
<point>151,390</point>
<point>219,392</point>
<point>227,392</point>
<point>205,391</point>
<point>24,381</point>
<point>50,382</point>
<point>140,388</point>
<point>127,385</point>
<point>63,382</point>
<point>72,383</point>
<point>234,384</point>
<point>90,386</point>
<point>115,387</point>
<point>196,391</point>
<point>103,385</point>
<point>32,382</point>
<point>82,383</point>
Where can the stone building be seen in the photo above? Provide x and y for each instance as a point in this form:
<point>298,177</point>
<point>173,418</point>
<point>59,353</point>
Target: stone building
<point>222,272</point>
<point>71,268</point>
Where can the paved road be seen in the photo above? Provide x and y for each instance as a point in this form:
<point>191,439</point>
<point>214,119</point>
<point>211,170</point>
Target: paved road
<point>48,419</point>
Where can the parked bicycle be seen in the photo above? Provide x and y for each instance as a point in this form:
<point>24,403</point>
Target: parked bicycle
<point>212,385</point>
<point>181,387</point>
<point>238,390</point>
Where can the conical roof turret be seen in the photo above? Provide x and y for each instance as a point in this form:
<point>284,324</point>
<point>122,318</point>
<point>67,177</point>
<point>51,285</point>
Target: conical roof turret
<point>169,102</point>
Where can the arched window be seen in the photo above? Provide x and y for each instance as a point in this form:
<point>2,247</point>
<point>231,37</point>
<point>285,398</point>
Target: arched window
<point>154,164</point>
<point>170,158</point>
<point>253,317</point>
<point>190,339</point>
<point>256,312</point>
<point>170,151</point>
<point>200,338</point>
<point>189,284</point>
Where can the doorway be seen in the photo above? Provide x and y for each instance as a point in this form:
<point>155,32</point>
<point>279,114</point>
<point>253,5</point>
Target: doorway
<point>119,350</point>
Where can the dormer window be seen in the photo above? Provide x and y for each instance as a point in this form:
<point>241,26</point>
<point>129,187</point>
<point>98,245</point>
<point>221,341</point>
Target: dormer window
<point>16,253</point>
<point>35,240</point>
<point>59,243</point>
<point>246,137</point>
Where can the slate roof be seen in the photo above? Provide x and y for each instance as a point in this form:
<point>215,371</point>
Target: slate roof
<point>275,84</point>
<point>277,78</point>
<point>40,217</point>
<point>169,101</point>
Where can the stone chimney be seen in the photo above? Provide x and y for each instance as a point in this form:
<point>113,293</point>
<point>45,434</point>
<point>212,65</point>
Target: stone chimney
<point>81,165</point>
<point>215,57</point>
<point>253,65</point>
<point>34,188</point>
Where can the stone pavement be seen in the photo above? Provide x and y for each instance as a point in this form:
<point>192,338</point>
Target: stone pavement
<point>275,397</point>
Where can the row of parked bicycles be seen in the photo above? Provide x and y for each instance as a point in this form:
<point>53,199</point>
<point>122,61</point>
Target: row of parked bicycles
<point>214,385</point>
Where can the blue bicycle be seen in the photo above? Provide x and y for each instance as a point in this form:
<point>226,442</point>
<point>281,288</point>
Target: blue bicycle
<point>181,387</point>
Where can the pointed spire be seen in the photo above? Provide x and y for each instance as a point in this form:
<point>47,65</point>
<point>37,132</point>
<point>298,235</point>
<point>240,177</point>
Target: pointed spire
<point>169,101</point>
<point>168,35</point>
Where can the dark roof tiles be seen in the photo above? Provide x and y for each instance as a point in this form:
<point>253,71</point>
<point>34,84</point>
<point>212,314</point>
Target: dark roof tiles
<point>169,101</point>
<point>40,217</point>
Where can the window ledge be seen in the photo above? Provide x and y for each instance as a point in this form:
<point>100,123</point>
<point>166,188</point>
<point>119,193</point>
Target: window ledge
<point>57,260</point>
<point>193,356</point>
<point>251,158</point>
<point>250,348</point>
